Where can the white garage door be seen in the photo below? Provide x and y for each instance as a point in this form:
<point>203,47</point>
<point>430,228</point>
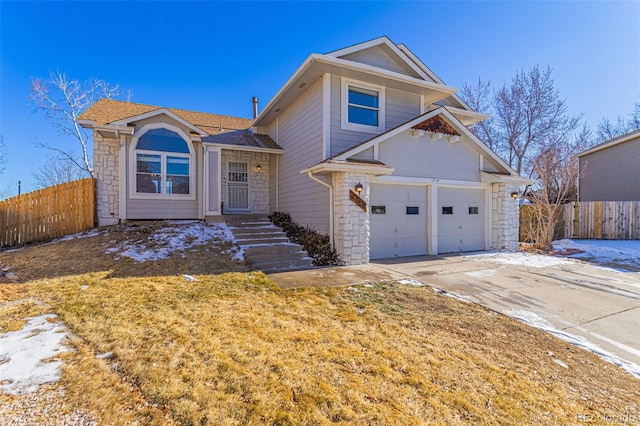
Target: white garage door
<point>398,221</point>
<point>461,220</point>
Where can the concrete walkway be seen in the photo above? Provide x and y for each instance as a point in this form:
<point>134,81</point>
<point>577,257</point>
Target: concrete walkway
<point>599,304</point>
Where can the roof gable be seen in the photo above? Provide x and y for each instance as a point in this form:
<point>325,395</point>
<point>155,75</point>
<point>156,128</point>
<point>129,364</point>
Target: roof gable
<point>431,120</point>
<point>383,53</point>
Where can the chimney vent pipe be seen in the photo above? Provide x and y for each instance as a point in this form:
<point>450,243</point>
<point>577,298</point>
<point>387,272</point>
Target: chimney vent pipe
<point>254,101</point>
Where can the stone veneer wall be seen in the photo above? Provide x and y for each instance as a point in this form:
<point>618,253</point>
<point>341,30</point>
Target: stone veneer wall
<point>106,166</point>
<point>258,181</point>
<point>351,224</point>
<point>505,212</point>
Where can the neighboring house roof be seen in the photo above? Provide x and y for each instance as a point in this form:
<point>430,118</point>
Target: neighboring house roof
<point>242,138</point>
<point>108,111</point>
<point>612,142</point>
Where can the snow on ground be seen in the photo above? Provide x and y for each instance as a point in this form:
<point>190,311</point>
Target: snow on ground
<point>534,320</point>
<point>22,355</point>
<point>620,252</point>
<point>520,258</point>
<point>177,237</point>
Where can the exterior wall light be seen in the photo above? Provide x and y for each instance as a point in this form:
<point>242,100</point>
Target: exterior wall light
<point>258,168</point>
<point>514,195</point>
<point>358,188</point>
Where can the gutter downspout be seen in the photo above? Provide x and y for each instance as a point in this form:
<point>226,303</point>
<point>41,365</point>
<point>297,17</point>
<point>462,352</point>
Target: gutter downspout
<point>312,177</point>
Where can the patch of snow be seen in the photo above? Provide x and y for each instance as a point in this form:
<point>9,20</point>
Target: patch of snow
<point>623,252</point>
<point>411,281</point>
<point>23,352</point>
<point>84,234</point>
<point>451,295</point>
<point>560,363</point>
<point>105,355</point>
<point>189,278</point>
<point>176,237</point>
<point>534,320</point>
<point>481,273</point>
<point>520,258</point>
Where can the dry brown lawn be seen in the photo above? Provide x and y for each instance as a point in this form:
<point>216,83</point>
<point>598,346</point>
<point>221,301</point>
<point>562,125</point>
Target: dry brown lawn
<point>232,348</point>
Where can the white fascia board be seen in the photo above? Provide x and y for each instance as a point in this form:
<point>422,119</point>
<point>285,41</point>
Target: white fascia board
<point>109,128</point>
<point>417,181</point>
<point>243,148</point>
<point>391,75</point>
<point>419,63</point>
<point>612,142</point>
<point>391,133</point>
<point>384,40</point>
<point>474,117</point>
<point>87,123</point>
<point>348,167</point>
<point>358,47</point>
<point>514,180</point>
<point>157,112</point>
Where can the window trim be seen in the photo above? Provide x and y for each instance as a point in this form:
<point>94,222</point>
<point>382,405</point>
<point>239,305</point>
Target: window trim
<point>344,105</point>
<point>133,171</point>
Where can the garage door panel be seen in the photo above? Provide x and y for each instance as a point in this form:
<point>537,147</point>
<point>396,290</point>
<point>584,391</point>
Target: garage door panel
<point>396,233</point>
<point>464,228</point>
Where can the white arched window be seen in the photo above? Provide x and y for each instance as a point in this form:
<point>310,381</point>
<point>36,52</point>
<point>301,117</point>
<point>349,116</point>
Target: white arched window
<point>163,163</point>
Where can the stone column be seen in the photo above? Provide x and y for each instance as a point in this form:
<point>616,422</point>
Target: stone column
<point>351,224</point>
<point>505,213</point>
<point>106,166</point>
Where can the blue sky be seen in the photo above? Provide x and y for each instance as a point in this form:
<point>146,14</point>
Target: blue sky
<point>214,56</point>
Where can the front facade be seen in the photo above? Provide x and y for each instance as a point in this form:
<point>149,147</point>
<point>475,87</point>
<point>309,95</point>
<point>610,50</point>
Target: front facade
<point>365,144</point>
<point>611,171</point>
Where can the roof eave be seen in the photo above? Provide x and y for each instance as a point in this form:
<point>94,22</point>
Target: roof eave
<point>244,148</point>
<point>330,167</point>
<point>615,141</point>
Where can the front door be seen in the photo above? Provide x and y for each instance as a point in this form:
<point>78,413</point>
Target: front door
<point>238,187</point>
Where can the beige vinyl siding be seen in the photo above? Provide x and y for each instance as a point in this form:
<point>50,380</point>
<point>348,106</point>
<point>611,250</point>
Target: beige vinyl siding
<point>611,174</point>
<point>400,107</point>
<point>299,132</point>
<point>379,57</point>
<point>422,157</point>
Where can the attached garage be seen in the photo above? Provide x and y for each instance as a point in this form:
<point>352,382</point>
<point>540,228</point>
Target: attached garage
<point>398,220</point>
<point>461,220</point>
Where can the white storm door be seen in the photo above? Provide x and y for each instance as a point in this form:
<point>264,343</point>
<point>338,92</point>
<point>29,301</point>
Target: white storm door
<point>238,186</point>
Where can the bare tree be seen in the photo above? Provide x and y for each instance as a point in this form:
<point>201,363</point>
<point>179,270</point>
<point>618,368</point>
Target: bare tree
<point>608,130</point>
<point>529,117</point>
<point>63,100</point>
<point>556,171</point>
<point>57,170</point>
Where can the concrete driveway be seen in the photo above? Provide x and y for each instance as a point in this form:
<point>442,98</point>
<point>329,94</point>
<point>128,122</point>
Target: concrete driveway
<point>599,304</point>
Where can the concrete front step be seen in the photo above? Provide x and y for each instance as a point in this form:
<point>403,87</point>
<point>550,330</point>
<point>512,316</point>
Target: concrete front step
<point>266,246</point>
<point>284,265</point>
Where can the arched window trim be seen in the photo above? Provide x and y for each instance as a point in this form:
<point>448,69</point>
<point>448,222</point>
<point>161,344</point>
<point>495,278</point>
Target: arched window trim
<point>133,175</point>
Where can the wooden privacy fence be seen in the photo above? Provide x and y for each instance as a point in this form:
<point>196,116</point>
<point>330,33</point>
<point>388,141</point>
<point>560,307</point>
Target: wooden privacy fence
<point>606,220</point>
<point>48,213</point>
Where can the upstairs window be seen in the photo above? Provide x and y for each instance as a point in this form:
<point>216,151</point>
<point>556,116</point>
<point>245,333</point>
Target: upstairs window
<point>362,107</point>
<point>163,164</point>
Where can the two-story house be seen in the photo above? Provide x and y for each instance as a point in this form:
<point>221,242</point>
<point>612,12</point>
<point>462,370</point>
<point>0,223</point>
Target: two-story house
<point>364,143</point>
